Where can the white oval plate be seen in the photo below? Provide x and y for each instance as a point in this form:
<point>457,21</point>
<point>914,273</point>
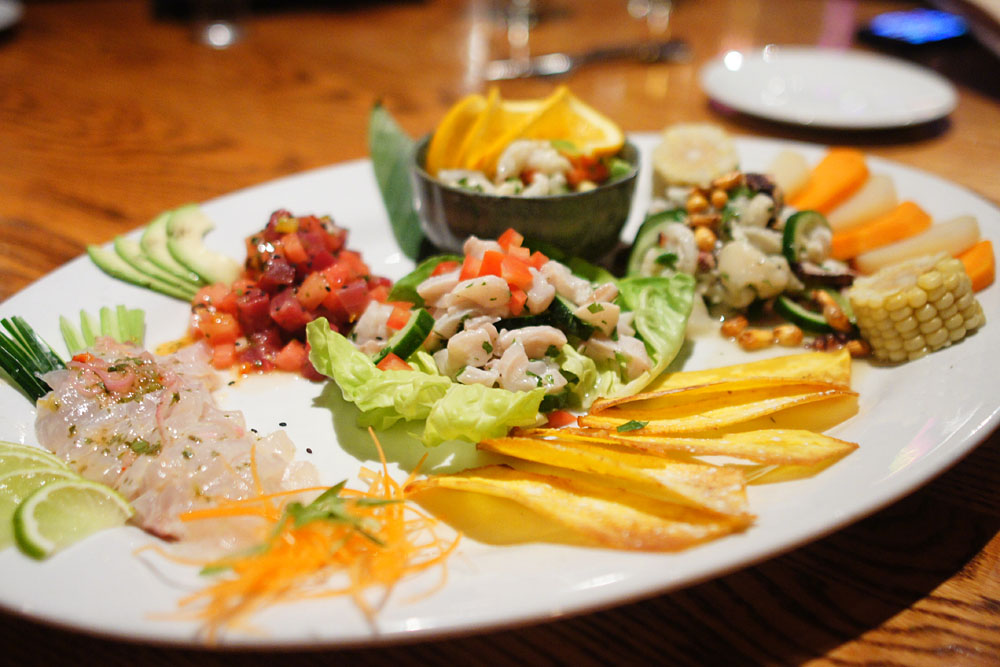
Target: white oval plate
<point>828,88</point>
<point>914,422</point>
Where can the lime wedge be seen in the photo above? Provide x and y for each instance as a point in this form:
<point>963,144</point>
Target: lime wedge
<point>16,486</point>
<point>63,512</point>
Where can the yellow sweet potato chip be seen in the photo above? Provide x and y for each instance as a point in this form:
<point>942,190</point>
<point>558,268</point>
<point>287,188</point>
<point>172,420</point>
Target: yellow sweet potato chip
<point>701,485</point>
<point>832,367</point>
<point>604,514</point>
<point>771,446</point>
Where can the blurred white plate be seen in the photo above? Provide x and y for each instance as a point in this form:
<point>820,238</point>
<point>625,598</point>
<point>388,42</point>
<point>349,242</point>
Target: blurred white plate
<point>10,13</point>
<point>828,87</point>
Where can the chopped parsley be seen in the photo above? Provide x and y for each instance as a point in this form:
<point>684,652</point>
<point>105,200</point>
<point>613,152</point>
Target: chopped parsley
<point>632,425</point>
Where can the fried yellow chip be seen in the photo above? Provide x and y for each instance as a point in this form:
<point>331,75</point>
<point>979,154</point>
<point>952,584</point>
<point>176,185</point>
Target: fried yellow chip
<point>832,367</point>
<point>771,446</point>
<point>700,485</point>
<point>708,407</point>
<point>606,515</point>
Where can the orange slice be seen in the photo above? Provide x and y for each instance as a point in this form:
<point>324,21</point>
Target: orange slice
<point>562,116</point>
<point>446,144</point>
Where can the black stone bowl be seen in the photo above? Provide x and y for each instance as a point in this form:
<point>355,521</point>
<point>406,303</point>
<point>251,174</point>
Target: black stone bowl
<point>582,224</point>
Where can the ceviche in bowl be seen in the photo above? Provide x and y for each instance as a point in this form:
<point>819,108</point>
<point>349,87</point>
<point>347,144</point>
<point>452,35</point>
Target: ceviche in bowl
<point>554,169</point>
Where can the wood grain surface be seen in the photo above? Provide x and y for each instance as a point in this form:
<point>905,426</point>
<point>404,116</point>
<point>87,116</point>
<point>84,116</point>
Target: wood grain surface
<point>108,116</point>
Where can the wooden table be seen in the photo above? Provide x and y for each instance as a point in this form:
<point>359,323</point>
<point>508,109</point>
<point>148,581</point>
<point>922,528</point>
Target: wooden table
<point>108,116</point>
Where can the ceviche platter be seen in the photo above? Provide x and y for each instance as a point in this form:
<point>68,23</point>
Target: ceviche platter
<point>281,418</point>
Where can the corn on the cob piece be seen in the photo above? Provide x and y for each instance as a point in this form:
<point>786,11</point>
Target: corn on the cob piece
<point>918,306</point>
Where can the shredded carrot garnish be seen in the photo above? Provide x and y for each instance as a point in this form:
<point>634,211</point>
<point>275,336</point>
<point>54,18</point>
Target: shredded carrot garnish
<point>385,541</point>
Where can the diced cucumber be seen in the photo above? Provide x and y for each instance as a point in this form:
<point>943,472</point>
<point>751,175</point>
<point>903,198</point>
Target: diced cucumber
<point>116,267</point>
<point>559,314</point>
<point>131,252</point>
<point>799,231</point>
<point>405,288</point>
<point>799,315</point>
<point>648,236</point>
<point>186,229</point>
<point>408,340</point>
<point>154,246</point>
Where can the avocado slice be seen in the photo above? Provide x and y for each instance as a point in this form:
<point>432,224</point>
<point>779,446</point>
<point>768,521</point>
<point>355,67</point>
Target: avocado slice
<point>154,246</point>
<point>132,253</point>
<point>116,267</point>
<point>186,228</point>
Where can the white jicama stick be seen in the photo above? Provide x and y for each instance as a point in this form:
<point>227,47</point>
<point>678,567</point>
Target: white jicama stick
<point>790,171</point>
<point>951,237</point>
<point>875,197</point>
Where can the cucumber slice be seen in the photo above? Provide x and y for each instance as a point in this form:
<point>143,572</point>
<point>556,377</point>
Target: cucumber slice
<point>116,267</point>
<point>648,236</point>
<point>799,315</point>
<point>408,340</point>
<point>559,314</point>
<point>154,246</point>
<point>799,231</point>
<point>131,252</point>
<point>186,229</point>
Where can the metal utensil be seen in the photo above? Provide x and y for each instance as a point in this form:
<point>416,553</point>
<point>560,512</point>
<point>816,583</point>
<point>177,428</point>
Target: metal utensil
<point>553,64</point>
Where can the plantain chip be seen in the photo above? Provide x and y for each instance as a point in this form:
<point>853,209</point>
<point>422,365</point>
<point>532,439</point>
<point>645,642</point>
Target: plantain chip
<point>709,407</point>
<point>832,367</point>
<point>771,446</point>
<point>606,515</point>
<point>695,484</point>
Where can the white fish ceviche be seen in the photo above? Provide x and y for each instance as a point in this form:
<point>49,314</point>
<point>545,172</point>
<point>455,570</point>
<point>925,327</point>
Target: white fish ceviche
<point>149,427</point>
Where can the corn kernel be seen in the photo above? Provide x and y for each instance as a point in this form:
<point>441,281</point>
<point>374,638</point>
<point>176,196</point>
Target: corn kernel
<point>788,335</point>
<point>930,325</point>
<point>916,297</point>
<point>925,313</point>
<point>937,339</point>
<point>945,301</point>
<point>907,325</point>
<point>895,302</point>
<point>755,339</point>
<point>900,314</point>
<point>929,281</point>
<point>719,198</point>
<point>696,203</point>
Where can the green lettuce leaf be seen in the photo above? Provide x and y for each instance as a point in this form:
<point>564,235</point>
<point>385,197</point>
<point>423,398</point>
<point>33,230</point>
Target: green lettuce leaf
<point>391,150</point>
<point>451,411</point>
<point>661,306</point>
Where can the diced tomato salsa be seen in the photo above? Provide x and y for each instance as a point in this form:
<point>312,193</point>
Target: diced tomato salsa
<point>297,269</point>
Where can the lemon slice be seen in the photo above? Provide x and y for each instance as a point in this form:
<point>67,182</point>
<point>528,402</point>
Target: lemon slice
<point>62,512</point>
<point>15,486</point>
<point>692,154</point>
<point>445,150</point>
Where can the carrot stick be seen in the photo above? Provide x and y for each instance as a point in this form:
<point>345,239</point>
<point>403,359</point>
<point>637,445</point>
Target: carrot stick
<point>980,264</point>
<point>904,221</point>
<point>834,179</point>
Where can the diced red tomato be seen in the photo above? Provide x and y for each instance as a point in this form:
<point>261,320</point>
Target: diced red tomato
<point>520,252</point>
<point>379,293</point>
<point>293,249</point>
<point>312,291</point>
<point>83,357</point>
<point>291,357</point>
<point>398,319</point>
<point>560,418</point>
<point>470,268</point>
<point>509,238</point>
<point>337,275</point>
<point>352,261</point>
<point>210,295</point>
<point>586,168</point>
<point>444,267</point>
<point>490,264</point>
<point>517,299</point>
<point>392,362</point>
<point>219,328</point>
<point>516,272</point>
<point>223,355</point>
<point>537,260</point>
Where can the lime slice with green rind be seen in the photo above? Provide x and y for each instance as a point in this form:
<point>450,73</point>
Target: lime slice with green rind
<point>30,457</point>
<point>17,485</point>
<point>63,512</point>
